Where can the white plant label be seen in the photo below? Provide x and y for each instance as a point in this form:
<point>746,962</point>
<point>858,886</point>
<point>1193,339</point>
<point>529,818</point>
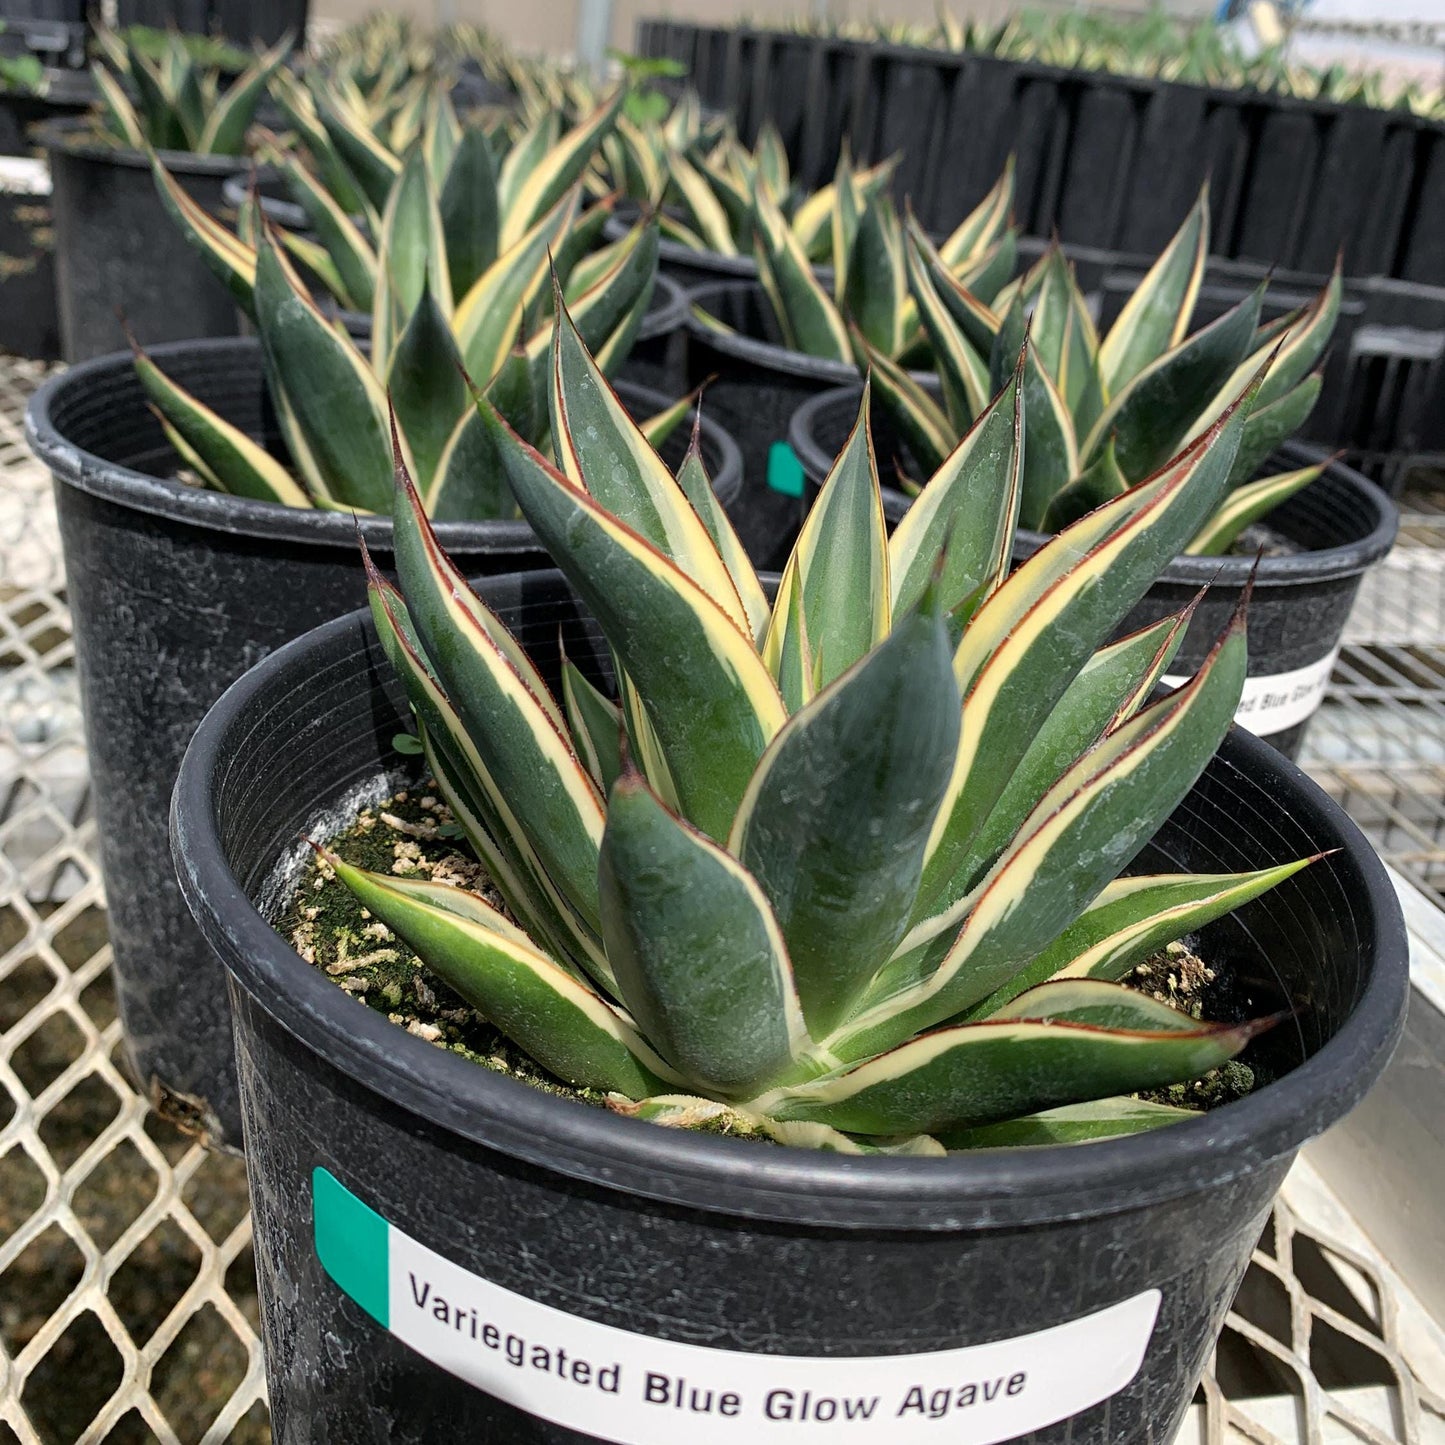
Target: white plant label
<point>22,176</point>
<point>633,1389</point>
<point>1280,700</point>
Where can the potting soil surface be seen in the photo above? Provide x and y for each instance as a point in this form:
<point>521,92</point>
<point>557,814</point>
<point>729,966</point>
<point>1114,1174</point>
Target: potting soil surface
<point>413,835</point>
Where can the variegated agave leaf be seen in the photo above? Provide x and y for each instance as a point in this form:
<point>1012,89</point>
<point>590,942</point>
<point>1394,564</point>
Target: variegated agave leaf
<point>180,104</point>
<point>852,226</point>
<point>854,878</point>
<point>1103,415</point>
<point>332,400</point>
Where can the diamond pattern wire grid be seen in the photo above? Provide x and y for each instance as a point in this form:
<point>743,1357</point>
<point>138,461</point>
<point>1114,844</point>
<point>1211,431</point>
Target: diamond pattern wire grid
<point>119,1237</point>
<point>127,1292</point>
<point>1378,743</point>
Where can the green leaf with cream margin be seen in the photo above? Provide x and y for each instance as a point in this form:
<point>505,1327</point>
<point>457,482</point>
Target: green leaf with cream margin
<point>962,371</point>
<point>1131,920</point>
<point>1047,1051</point>
<point>1156,317</point>
<point>1150,417</point>
<point>1027,643</point>
<point>527,196</point>
<point>924,426</point>
<point>351,253</point>
<point>1248,504</point>
<point>596,724</point>
<point>846,792</point>
<point>558,1019</point>
<point>338,407</point>
<point>411,256</point>
<point>476,801</point>
<point>224,131</point>
<point>602,451</point>
<point>1081,834</point>
<point>373,166</point>
<point>840,562</point>
<point>505,706</point>
<point>699,957</point>
<point>979,479</point>
<point>489,317</point>
<point>810,321</point>
<point>1069,1124</point>
<point>428,389</point>
<point>708,696</point>
<point>231,458</point>
<point>231,260</point>
<point>985,224</point>
<point>1109,690</point>
<point>692,477</point>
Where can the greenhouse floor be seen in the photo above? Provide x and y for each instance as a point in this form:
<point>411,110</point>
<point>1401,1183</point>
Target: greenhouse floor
<point>127,1290</point>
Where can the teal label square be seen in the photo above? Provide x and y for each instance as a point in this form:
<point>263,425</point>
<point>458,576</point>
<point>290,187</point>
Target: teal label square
<point>352,1243</point>
<point>785,471</point>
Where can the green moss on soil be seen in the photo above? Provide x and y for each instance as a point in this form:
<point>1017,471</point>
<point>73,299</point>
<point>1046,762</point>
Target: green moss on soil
<point>412,834</point>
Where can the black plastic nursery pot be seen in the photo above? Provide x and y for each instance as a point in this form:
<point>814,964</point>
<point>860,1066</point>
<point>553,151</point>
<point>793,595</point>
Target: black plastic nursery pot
<point>28,322</point>
<point>241,21</point>
<point>174,592</point>
<point>754,384</point>
<point>687,267</point>
<point>119,254</point>
<point>1336,528</point>
<point>442,1247</point>
<point>67,93</point>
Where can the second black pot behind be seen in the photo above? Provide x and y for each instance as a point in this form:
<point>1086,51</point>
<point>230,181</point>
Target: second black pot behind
<point>120,259</point>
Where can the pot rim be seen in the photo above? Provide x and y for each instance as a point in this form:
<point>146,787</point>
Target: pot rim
<point>993,1188</point>
<point>669,252</point>
<point>236,188</point>
<point>61,135</point>
<point>665,314</point>
<point>765,354</point>
<point>1379,516</point>
<point>273,521</point>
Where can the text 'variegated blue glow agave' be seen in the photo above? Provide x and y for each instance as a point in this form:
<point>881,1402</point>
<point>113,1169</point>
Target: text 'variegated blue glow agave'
<point>843,866</point>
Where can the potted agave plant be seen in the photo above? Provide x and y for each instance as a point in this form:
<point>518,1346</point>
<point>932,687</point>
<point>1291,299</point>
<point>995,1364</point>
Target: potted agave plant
<point>791,922</point>
<point>208,495</point>
<point>491,190</point>
<point>701,180</point>
<point>1102,414</point>
<point>113,246</point>
<point>770,344</point>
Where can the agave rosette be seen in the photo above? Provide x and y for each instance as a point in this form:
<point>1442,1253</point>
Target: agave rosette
<point>844,866</point>
<point>865,310</point>
<point>456,284</point>
<point>177,102</point>
<point>1102,414</point>
<point>704,179</point>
